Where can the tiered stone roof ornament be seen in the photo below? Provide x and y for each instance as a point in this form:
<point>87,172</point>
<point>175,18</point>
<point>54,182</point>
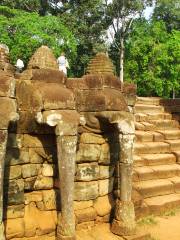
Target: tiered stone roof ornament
<point>43,58</point>
<point>101,64</point>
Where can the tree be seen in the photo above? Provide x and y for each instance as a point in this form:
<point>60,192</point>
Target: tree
<point>120,15</point>
<point>86,20</point>
<point>152,58</point>
<point>169,12</point>
<point>24,32</point>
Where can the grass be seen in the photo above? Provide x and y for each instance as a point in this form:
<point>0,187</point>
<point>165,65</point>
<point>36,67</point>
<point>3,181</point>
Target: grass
<point>149,220</point>
<point>171,212</point>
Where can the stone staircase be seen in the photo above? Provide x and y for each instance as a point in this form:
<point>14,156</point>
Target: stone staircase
<point>156,175</point>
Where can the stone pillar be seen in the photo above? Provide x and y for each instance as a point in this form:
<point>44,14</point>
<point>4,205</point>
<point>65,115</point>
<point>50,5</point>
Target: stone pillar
<point>66,148</point>
<point>124,222</point>
<point>3,142</point>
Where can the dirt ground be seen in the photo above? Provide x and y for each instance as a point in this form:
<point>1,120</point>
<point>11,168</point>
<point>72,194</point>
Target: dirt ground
<point>166,227</point>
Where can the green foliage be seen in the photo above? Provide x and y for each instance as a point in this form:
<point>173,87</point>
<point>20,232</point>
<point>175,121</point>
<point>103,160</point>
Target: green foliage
<point>86,20</point>
<point>169,12</point>
<point>24,32</point>
<point>152,59</point>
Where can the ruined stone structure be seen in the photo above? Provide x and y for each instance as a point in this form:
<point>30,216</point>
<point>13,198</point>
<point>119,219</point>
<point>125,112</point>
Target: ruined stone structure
<point>67,151</point>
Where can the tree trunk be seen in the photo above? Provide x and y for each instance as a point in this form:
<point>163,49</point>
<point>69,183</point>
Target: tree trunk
<point>121,65</point>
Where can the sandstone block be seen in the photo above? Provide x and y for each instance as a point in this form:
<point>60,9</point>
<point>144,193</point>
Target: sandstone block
<point>87,172</point>
<point>85,225</point>
<point>14,228</point>
<point>47,170</point>
<point>49,199</point>
<point>105,186</point>
<point>88,153</point>
<point>38,222</point>
<point>29,183</point>
<point>14,140</point>
<point>105,154</point>
<point>82,205</point>
<point>16,211</point>
<point>41,141</point>
<point>30,170</point>
<point>8,108</point>
<point>14,192</point>
<point>106,171</point>
<point>85,215</point>
<point>35,196</point>
<point>13,172</point>
<point>85,190</point>
<point>15,156</point>
<point>43,183</point>
<point>103,205</point>
<point>91,138</point>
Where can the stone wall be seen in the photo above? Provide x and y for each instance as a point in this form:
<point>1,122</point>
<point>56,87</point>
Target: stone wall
<point>30,186</point>
<point>62,156</point>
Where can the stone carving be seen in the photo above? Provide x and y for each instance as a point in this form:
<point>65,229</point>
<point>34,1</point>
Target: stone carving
<point>89,121</point>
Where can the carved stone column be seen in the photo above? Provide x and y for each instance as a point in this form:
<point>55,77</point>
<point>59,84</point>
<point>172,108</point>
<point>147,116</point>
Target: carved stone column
<point>66,146</point>
<point>124,222</point>
<point>3,142</point>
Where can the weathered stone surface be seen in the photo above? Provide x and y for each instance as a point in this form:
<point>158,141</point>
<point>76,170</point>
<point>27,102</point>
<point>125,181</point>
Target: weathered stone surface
<point>14,228</point>
<point>90,138</point>
<point>28,97</point>
<point>50,199</point>
<point>7,84</point>
<point>85,215</point>
<point>126,145</point>
<point>16,156</point>
<point>106,171</point>
<point>8,110</point>
<point>14,140</point>
<point>30,170</point>
<point>16,211</point>
<point>85,225</point>
<point>104,205</point>
<point>38,222</point>
<point>88,153</point>
<point>85,190</point>
<point>14,192</point>
<point>13,172</point>
<point>47,170</point>
<point>35,196</point>
<point>43,183</point>
<point>38,141</point>
<point>39,155</point>
<point>124,222</point>
<point>29,183</point>
<point>105,154</point>
<point>87,172</point>
<point>82,204</point>
<point>105,186</point>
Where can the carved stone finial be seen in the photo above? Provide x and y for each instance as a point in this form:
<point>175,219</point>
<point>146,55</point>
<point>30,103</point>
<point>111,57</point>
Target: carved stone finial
<point>43,58</point>
<point>100,64</point>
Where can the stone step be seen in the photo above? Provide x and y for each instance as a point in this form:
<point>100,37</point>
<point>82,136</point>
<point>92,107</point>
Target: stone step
<point>140,108</point>
<point>170,134</point>
<point>174,144</point>
<point>151,188</point>
<point>160,204</point>
<point>157,187</point>
<point>148,100</point>
<point>165,124</point>
<point>156,172</point>
<point>155,159</point>
<point>177,154</point>
<point>148,136</point>
<point>151,147</point>
<point>141,117</point>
